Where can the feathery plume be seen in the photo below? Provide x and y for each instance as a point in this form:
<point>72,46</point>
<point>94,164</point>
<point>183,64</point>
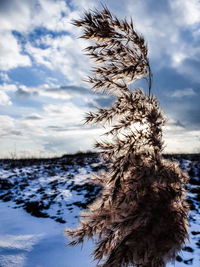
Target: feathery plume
<point>140,218</point>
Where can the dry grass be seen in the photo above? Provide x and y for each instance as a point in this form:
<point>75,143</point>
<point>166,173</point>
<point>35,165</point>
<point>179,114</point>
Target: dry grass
<point>141,217</point>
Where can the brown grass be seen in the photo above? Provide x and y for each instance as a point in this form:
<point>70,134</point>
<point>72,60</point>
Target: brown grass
<point>141,218</point>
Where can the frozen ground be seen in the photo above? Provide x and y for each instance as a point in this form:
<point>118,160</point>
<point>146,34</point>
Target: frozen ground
<point>39,198</point>
<point>27,241</point>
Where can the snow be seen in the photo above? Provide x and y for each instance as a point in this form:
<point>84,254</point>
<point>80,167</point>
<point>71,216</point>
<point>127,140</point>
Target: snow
<point>27,241</point>
<point>39,199</point>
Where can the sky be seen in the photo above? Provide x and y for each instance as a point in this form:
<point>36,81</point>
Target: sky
<point>43,98</point>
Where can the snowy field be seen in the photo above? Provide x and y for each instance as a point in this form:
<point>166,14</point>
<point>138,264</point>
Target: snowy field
<point>40,198</point>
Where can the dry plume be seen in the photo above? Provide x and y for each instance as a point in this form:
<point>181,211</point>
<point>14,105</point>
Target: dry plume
<point>140,218</point>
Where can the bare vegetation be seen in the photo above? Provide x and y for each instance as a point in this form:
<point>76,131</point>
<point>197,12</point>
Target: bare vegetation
<point>140,218</point>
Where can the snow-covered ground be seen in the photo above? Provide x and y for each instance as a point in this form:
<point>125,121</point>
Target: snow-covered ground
<point>40,198</point>
<point>27,241</point>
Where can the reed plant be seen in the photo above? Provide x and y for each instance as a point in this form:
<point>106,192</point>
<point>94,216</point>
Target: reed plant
<point>141,217</point>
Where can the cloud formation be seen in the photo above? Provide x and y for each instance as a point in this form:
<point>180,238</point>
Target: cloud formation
<point>42,94</point>
<point>183,92</point>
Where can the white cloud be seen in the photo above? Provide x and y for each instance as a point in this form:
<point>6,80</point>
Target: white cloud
<point>24,17</point>
<point>161,34</point>
<point>4,77</point>
<point>8,87</point>
<point>182,141</point>
<point>56,94</point>
<point>10,53</point>
<point>13,260</point>
<point>84,4</point>
<point>178,58</point>
<point>183,92</point>
<point>7,125</point>
<point>162,30</point>
<point>4,88</point>
<point>4,99</point>
<point>178,139</point>
<point>67,113</point>
<point>184,59</point>
<point>63,53</point>
<point>41,56</point>
<point>173,125</point>
<point>55,15</point>
<point>187,12</point>
<point>52,15</point>
<point>16,15</point>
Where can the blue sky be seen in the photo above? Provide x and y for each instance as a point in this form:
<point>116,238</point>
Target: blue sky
<point>43,98</point>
